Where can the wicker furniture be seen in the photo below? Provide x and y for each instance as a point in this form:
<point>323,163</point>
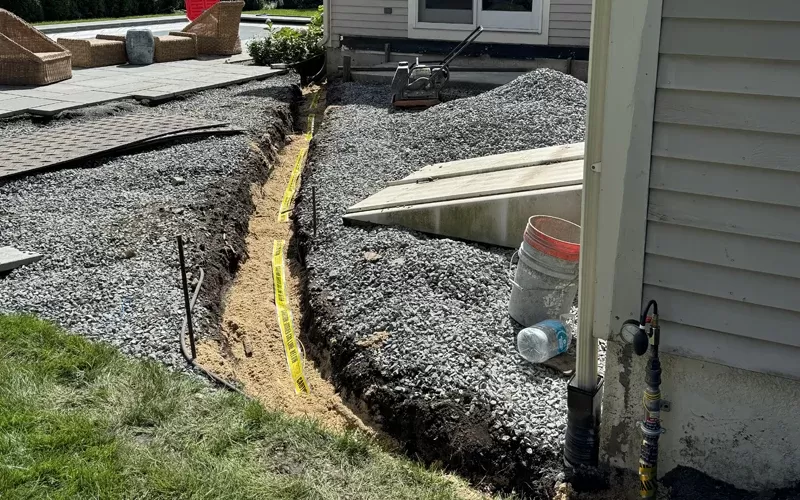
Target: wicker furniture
<point>217,29</point>
<point>28,57</point>
<point>175,47</point>
<point>94,52</point>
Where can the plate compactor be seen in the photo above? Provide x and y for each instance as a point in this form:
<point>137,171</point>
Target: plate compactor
<point>418,85</point>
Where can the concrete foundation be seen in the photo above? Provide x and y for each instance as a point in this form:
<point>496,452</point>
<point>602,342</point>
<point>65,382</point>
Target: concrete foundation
<point>737,426</point>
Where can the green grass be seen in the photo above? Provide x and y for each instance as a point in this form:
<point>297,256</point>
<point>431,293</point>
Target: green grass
<point>285,12</point>
<point>79,420</point>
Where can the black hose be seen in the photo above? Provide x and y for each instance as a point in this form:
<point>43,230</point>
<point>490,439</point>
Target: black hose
<point>213,377</point>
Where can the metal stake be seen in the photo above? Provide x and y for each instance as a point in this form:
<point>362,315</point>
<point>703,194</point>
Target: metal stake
<point>186,297</point>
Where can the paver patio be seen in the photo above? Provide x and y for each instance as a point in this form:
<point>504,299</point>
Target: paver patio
<point>112,83</point>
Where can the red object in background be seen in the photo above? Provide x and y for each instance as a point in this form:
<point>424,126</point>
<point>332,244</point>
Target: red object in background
<point>196,7</point>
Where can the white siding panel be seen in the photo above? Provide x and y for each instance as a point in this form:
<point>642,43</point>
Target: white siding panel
<point>713,109</point>
<point>723,282</point>
<point>737,318</point>
<point>737,147</point>
<point>710,37</point>
<point>726,215</point>
<point>776,257</point>
<point>765,10</point>
<point>741,183</point>
<point>367,18</point>
<point>723,348</point>
<point>570,22</point>
<point>740,76</point>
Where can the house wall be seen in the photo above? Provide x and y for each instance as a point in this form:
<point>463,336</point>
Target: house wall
<point>722,248</point>
<point>570,20</point>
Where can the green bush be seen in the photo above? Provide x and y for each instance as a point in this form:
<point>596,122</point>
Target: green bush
<point>288,45</point>
<point>301,4</point>
<point>254,4</point>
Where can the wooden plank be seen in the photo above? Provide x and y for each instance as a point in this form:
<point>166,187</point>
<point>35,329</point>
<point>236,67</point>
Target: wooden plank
<point>744,112</point>
<point>723,282</point>
<point>723,249</point>
<point>723,214</point>
<point>754,149</point>
<point>764,10</point>
<point>746,320</point>
<point>757,39</point>
<point>740,183</point>
<point>742,76</point>
<point>731,350</point>
<point>11,258</point>
<point>492,163</point>
<point>571,16</point>
<point>470,186</point>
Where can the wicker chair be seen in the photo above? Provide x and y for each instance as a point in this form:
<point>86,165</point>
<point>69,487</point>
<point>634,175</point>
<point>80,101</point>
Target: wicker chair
<point>176,46</point>
<point>94,52</point>
<point>217,29</point>
<point>28,57</point>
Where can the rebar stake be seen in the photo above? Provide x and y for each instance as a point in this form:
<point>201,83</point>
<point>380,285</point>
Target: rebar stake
<point>186,302</point>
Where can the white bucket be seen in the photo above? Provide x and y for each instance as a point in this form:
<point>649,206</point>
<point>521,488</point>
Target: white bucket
<point>546,280</point>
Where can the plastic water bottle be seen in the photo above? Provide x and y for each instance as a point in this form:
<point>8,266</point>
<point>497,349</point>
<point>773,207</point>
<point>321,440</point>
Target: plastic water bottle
<point>543,340</point>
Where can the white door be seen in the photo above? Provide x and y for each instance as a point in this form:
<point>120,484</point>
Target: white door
<point>510,15</point>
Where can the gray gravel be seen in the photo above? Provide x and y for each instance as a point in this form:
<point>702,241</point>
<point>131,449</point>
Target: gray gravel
<point>443,302</point>
<point>107,228</point>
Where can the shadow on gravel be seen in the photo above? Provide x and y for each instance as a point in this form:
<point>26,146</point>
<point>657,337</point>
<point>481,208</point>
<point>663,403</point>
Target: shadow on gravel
<point>273,93</point>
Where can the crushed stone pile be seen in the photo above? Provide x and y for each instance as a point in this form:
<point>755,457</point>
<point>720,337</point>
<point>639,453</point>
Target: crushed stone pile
<point>447,379</point>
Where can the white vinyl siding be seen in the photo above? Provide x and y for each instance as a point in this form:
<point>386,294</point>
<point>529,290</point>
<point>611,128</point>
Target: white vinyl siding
<point>367,18</point>
<point>570,22</point>
<point>723,232</point>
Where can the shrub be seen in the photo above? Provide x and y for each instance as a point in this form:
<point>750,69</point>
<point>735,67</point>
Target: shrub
<point>288,45</point>
<point>301,4</point>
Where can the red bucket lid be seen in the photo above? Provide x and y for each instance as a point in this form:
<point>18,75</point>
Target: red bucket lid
<point>556,237</point>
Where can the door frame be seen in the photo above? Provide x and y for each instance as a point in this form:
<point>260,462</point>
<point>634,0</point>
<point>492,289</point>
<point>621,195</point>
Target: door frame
<point>457,32</point>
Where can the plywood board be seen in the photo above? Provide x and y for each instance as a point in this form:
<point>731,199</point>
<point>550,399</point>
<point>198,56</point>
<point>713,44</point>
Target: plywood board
<point>494,163</point>
<point>482,184</point>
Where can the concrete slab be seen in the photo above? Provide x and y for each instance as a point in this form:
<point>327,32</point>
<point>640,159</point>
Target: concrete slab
<point>11,258</point>
<point>486,199</point>
<point>495,220</point>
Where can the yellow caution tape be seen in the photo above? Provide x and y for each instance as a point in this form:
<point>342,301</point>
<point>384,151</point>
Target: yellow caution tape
<point>314,101</point>
<point>288,195</point>
<point>310,127</point>
<point>285,320</point>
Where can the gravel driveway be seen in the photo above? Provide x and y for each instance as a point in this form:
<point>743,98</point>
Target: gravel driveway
<point>446,380</point>
<point>107,228</point>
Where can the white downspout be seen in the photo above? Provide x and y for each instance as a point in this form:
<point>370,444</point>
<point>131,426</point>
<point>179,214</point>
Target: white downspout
<point>586,363</point>
<point>326,22</point>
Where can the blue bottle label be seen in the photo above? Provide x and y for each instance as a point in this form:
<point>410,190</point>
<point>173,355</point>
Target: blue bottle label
<point>560,331</point>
